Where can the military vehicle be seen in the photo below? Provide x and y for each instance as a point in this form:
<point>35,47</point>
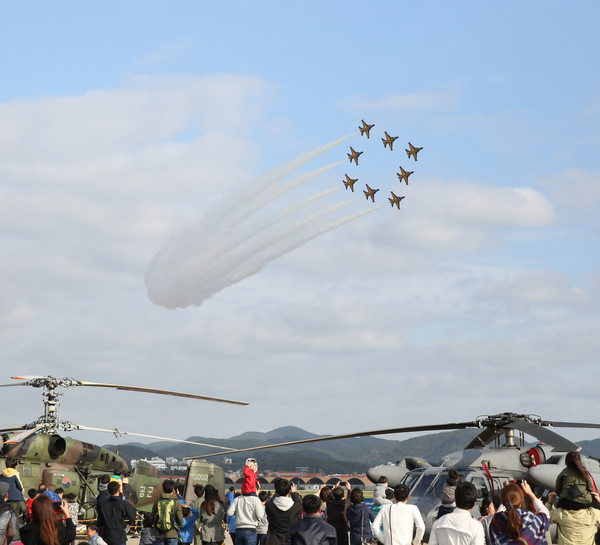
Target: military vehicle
<point>45,456</point>
<point>495,455</point>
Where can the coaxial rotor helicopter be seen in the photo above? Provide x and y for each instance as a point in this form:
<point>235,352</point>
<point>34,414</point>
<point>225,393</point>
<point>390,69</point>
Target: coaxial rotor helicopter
<point>497,454</point>
<point>58,462</point>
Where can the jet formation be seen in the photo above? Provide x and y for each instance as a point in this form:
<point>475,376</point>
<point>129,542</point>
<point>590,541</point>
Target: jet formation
<point>403,175</point>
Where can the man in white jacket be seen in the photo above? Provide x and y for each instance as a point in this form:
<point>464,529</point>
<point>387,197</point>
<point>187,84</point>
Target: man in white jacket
<point>248,511</point>
<point>394,523</point>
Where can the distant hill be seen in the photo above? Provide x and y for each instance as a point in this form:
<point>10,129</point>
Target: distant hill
<point>590,448</point>
<point>340,456</point>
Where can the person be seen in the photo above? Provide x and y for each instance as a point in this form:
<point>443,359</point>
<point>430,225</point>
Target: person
<point>148,533</point>
<point>379,497</point>
<point>263,523</point>
<point>74,507</point>
<point>11,476</point>
<point>359,518</point>
<point>186,532</point>
<point>283,510</point>
<point>103,494</point>
<point>230,495</point>
<point>43,489</point>
<point>32,494</point>
<point>487,509</point>
<point>93,535</point>
<point>8,518</point>
<point>212,514</point>
<point>169,515</point>
<point>336,512</point>
<point>398,521</point>
<point>459,526</point>
<point>324,494</point>
<point>231,519</point>
<point>312,529</point>
<point>250,475</point>
<point>44,529</point>
<point>575,527</point>
<point>247,511</point>
<point>517,524</point>
<point>114,514</point>
<point>448,491</point>
<point>573,484</point>
<point>199,491</point>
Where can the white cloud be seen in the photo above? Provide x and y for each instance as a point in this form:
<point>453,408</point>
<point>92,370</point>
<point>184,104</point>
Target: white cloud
<point>408,299</point>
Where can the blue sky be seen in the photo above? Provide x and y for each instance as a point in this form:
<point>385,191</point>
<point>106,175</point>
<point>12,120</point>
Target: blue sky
<point>123,124</point>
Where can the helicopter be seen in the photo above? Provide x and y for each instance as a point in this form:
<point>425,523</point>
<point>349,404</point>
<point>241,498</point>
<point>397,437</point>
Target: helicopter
<point>46,457</point>
<point>496,455</point>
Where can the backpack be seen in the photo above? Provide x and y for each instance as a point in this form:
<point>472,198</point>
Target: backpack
<point>166,515</point>
<point>7,529</point>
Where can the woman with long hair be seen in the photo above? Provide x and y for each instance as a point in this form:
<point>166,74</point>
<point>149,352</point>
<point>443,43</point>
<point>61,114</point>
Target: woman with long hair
<point>44,529</point>
<point>359,518</point>
<point>211,517</point>
<point>573,484</point>
<point>519,523</point>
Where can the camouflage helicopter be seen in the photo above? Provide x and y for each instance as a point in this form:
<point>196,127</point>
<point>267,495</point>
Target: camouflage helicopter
<point>495,455</point>
<point>47,457</point>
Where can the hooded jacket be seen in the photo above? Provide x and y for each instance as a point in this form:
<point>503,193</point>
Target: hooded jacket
<point>281,511</point>
<point>15,491</point>
<point>247,510</point>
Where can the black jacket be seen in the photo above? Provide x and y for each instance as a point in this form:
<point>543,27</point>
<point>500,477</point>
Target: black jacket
<point>30,533</point>
<point>280,520</point>
<point>113,515</point>
<point>311,530</point>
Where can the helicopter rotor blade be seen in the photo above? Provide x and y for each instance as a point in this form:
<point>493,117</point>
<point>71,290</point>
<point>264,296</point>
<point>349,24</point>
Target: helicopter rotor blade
<point>574,425</point>
<point>25,434</point>
<point>118,432</point>
<point>484,438</point>
<point>558,442</point>
<point>158,391</point>
<point>434,427</point>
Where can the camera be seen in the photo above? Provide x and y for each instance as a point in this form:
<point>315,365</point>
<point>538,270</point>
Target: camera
<point>57,505</point>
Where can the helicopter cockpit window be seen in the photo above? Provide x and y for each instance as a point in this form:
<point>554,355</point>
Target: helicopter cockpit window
<point>410,479</point>
<point>423,486</point>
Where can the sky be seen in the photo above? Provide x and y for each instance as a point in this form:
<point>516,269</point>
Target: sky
<point>148,237</point>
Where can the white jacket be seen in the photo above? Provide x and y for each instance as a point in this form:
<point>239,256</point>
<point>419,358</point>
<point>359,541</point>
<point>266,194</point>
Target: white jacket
<point>399,531</point>
<point>248,511</point>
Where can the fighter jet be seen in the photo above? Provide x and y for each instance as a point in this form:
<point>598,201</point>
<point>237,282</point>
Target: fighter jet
<point>370,193</point>
<point>412,151</point>
<point>349,183</point>
<point>404,176</point>
<point>395,200</point>
<point>354,155</point>
<point>364,129</point>
<point>389,141</point>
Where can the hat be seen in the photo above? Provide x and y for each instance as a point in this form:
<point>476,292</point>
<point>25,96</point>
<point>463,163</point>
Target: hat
<point>210,491</point>
<point>4,487</point>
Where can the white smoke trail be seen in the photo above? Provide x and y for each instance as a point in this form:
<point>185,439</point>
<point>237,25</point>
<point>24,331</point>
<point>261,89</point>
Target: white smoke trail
<point>240,236</point>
